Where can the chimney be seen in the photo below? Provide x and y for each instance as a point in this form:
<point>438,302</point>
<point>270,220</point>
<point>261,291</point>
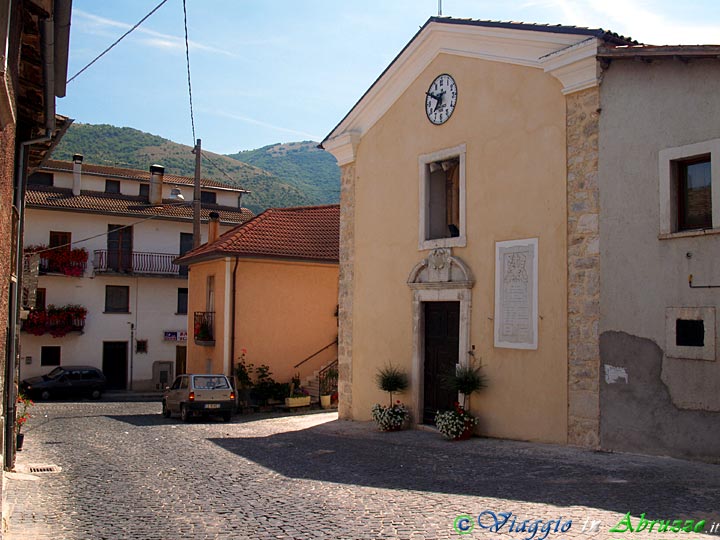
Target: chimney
<point>77,174</point>
<point>213,227</point>
<point>156,183</point>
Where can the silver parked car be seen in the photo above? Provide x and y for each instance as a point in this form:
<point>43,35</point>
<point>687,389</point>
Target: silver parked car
<point>199,395</point>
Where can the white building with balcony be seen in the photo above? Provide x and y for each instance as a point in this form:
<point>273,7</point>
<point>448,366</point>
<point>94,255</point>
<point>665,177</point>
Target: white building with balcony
<point>108,294</point>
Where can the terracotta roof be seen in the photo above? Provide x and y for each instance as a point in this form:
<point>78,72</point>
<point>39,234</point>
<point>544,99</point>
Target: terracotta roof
<point>305,232</point>
<point>134,174</point>
<point>98,202</point>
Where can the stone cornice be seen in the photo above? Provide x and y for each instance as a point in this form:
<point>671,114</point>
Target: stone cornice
<point>343,147</point>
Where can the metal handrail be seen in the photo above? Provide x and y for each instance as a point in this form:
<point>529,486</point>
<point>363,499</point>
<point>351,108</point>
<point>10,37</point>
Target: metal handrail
<point>334,342</point>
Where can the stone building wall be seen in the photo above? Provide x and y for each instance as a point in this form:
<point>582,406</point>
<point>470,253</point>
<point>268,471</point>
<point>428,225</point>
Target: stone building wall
<point>345,292</point>
<point>583,203</point>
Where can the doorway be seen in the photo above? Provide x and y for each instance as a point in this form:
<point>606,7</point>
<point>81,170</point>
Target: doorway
<point>180,360</point>
<point>442,340</point>
<point>115,364</point>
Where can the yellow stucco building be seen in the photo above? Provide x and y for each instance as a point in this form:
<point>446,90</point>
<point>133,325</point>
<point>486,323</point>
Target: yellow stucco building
<point>266,289</point>
<point>467,218</point>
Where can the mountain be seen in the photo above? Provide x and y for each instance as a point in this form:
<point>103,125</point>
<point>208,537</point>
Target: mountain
<point>127,147</point>
<point>301,164</point>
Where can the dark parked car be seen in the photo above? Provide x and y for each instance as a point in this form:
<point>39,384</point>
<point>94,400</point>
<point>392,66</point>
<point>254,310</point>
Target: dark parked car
<point>65,382</point>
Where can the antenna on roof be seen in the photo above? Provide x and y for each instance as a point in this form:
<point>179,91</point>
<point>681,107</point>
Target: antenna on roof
<point>439,8</point>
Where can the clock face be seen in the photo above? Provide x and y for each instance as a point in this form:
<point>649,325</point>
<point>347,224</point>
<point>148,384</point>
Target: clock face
<point>440,99</point>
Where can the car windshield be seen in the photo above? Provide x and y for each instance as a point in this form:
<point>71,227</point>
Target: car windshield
<point>211,383</point>
<point>55,373</point>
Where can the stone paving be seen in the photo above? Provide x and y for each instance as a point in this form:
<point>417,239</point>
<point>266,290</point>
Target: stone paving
<point>127,473</point>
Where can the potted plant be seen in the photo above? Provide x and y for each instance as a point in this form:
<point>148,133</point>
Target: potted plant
<point>243,375</point>
<point>328,384</point>
<point>299,397</point>
<point>458,424</point>
<point>22,416</point>
<point>392,417</point>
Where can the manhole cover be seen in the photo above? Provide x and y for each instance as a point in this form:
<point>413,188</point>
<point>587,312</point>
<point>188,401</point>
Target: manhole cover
<point>42,469</point>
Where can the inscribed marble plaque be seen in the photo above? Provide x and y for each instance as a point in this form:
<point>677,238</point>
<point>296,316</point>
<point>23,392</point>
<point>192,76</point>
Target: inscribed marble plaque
<point>516,294</point>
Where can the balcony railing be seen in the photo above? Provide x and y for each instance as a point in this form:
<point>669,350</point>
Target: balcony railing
<point>135,262</point>
<point>204,328</point>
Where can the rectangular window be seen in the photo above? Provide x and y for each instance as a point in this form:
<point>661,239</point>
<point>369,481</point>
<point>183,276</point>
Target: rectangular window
<point>50,356</point>
<point>694,194</point>
<point>40,179</point>
<point>60,238</point>
<point>40,299</point>
<point>145,190</point>
<point>689,333</point>
<point>182,300</point>
<point>210,298</point>
<point>208,197</point>
<point>112,186</point>
<point>442,199</point>
<point>687,200</point>
<point>117,299</point>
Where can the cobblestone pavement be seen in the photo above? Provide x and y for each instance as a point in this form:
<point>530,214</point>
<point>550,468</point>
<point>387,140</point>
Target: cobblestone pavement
<point>127,473</point>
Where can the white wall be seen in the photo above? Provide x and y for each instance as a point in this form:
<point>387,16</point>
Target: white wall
<point>153,300</point>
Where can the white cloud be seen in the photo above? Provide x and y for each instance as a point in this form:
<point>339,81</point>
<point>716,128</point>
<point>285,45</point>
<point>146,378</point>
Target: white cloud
<point>99,25</point>
<point>255,122</point>
<point>635,18</point>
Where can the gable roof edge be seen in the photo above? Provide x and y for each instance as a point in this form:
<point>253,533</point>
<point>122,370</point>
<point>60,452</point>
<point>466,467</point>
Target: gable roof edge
<point>514,43</point>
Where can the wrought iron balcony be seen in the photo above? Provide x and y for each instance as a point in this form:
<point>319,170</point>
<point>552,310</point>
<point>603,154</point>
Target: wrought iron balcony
<point>135,262</point>
<point>204,328</point>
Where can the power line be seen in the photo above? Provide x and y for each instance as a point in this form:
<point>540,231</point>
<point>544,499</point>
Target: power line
<point>233,180</point>
<point>119,40</point>
<point>187,61</point>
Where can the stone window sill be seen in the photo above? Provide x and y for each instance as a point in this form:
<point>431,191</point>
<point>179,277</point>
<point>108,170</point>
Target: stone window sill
<point>688,234</point>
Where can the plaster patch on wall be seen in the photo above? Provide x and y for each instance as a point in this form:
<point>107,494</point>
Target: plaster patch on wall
<point>614,374</point>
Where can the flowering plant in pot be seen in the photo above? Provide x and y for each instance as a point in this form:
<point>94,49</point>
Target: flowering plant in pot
<point>394,416</point>
<point>22,416</point>
<point>457,423</point>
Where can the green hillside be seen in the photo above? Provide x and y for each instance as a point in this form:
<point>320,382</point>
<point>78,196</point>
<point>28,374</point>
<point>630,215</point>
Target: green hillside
<point>127,147</point>
<point>301,164</point>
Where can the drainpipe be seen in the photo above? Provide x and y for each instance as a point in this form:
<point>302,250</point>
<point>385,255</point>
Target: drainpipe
<point>232,319</point>
<point>12,366</point>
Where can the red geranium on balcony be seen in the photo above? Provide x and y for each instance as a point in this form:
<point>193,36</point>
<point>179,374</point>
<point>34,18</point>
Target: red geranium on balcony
<point>57,321</point>
<point>70,262</point>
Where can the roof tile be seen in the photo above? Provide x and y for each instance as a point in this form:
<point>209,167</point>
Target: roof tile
<point>305,232</point>
<point>97,202</point>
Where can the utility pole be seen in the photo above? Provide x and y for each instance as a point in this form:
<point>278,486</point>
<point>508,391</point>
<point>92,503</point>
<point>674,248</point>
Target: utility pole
<point>439,8</point>
<point>196,195</point>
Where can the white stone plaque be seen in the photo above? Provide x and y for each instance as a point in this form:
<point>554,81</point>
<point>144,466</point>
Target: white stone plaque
<point>516,278</point>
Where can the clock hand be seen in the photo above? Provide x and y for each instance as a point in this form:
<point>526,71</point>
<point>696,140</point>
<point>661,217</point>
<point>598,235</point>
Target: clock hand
<point>439,100</point>
<point>432,96</point>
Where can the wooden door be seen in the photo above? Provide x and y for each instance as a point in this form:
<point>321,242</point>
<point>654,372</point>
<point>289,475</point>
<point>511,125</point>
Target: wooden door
<point>442,338</point>
<point>115,364</point>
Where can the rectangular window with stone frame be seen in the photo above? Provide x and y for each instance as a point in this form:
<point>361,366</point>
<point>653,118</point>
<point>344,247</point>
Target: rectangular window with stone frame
<point>688,202</point>
<point>442,199</point>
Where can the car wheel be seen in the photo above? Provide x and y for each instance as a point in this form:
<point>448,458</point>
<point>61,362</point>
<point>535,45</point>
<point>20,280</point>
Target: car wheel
<point>95,394</point>
<point>45,395</point>
<point>226,417</point>
<point>165,411</point>
<point>184,413</point>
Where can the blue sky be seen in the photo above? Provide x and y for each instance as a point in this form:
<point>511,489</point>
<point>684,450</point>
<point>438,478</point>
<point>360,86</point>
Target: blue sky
<point>273,71</point>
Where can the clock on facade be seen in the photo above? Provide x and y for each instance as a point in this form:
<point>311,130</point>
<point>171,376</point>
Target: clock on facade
<point>440,99</point>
